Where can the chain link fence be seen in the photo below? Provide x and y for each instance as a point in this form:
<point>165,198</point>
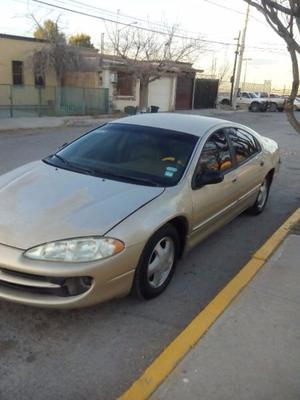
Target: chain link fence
<point>225,87</point>
<point>32,101</point>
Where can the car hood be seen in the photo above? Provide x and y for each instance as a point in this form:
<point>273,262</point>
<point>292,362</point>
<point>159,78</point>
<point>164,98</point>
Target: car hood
<point>40,203</point>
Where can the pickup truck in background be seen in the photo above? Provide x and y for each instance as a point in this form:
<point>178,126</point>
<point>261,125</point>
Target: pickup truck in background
<point>256,101</point>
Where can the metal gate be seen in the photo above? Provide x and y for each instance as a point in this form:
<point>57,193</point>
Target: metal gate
<point>206,93</point>
<point>184,92</point>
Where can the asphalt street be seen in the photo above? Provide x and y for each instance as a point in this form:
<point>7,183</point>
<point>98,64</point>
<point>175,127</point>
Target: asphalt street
<point>96,353</point>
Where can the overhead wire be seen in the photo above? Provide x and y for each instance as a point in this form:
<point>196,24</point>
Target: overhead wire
<point>143,28</point>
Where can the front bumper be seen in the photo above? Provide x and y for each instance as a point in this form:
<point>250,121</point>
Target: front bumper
<point>65,285</point>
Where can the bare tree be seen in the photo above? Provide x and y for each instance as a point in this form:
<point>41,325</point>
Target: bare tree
<point>56,53</point>
<point>284,18</point>
<point>220,71</point>
<point>223,72</point>
<point>150,55</point>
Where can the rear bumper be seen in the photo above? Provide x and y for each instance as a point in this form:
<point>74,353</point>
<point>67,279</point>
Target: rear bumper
<point>63,285</point>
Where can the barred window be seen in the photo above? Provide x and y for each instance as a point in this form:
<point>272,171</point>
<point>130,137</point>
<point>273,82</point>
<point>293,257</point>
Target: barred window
<point>125,84</point>
<point>17,72</point>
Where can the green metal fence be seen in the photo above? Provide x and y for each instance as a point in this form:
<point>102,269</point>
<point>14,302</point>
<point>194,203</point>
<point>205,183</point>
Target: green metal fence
<point>32,101</point>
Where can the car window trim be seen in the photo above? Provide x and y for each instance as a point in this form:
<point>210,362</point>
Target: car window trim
<point>239,164</point>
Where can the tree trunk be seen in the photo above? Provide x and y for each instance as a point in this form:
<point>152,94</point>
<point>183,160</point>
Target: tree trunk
<point>144,91</point>
<point>289,107</point>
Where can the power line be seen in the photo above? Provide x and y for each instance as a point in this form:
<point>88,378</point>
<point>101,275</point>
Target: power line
<point>232,9</point>
<point>277,50</point>
<point>118,14</point>
<point>114,14</point>
<point>130,25</point>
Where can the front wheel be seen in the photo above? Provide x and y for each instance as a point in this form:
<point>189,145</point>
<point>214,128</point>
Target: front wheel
<point>157,263</point>
<point>262,198</point>
<point>255,107</point>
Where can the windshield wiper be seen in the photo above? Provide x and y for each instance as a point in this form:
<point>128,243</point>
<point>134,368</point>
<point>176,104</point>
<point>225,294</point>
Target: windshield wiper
<point>60,158</point>
<point>105,174</point>
<point>146,181</point>
<point>74,167</point>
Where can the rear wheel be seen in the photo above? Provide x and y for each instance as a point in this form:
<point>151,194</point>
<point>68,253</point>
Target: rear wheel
<point>272,107</point>
<point>262,197</point>
<point>225,102</point>
<point>157,263</point>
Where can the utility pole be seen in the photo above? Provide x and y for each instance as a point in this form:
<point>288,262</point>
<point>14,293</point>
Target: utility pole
<point>245,72</point>
<point>241,55</point>
<point>232,79</point>
<point>102,43</point>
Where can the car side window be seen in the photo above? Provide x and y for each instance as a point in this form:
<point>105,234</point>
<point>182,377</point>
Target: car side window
<point>244,144</point>
<point>215,155</point>
<point>245,95</point>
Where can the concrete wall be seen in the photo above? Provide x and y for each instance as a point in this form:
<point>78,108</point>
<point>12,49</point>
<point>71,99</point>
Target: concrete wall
<point>20,50</point>
<point>161,93</point>
<point>82,79</point>
<point>122,101</point>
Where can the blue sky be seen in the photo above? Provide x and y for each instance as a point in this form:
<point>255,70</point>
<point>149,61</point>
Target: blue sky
<point>269,59</point>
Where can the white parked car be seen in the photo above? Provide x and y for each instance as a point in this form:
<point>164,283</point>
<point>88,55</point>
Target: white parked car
<point>256,101</point>
<point>249,99</point>
<point>297,104</point>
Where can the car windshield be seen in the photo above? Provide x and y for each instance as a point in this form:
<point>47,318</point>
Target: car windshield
<point>130,153</point>
<point>254,95</point>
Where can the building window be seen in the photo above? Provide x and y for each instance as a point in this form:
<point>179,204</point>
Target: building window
<point>39,80</point>
<point>17,72</point>
<point>125,84</point>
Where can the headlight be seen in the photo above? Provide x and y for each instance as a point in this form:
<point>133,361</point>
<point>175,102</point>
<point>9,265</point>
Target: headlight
<point>76,250</point>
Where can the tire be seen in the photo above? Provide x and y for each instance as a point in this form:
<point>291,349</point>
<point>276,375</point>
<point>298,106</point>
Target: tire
<point>254,107</point>
<point>225,102</point>
<point>262,198</point>
<point>272,107</point>
<point>149,284</point>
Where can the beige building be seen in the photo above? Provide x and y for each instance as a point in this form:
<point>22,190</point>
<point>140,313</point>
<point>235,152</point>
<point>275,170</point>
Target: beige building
<point>15,65</point>
<point>108,85</point>
<point>25,93</point>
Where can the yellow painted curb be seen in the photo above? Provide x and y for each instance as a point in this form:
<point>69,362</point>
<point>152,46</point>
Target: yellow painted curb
<point>169,358</point>
<point>268,248</point>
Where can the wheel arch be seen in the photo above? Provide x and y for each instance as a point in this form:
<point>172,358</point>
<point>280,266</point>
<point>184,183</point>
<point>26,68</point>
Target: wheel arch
<point>180,223</point>
<point>270,175</point>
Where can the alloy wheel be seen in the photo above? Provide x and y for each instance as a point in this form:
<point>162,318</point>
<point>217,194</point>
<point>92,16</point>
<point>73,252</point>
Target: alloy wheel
<point>161,262</point>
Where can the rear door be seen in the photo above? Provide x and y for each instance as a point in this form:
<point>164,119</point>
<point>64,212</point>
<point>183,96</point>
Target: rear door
<point>213,204</point>
<point>249,161</point>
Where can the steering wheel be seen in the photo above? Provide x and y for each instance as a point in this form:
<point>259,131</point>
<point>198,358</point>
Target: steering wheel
<point>172,159</point>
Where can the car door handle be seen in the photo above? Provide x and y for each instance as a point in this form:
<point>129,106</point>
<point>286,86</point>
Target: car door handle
<point>262,163</point>
<point>234,180</point>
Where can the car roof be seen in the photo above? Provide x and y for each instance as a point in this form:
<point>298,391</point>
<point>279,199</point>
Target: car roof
<point>192,124</point>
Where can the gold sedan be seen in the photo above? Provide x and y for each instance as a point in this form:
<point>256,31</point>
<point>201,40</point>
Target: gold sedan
<point>113,211</point>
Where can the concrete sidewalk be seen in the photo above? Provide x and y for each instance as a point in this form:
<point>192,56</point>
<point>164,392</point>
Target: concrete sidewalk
<point>252,352</point>
<point>10,124</point>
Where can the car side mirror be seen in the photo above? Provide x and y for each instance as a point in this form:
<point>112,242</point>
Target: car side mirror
<point>208,178</point>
